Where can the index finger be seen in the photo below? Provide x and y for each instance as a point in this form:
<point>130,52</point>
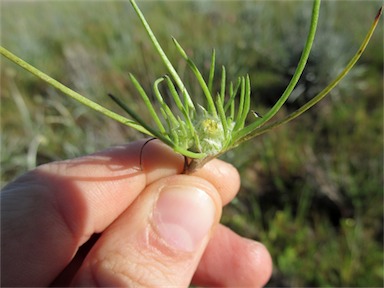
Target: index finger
<point>48,213</point>
<point>51,211</point>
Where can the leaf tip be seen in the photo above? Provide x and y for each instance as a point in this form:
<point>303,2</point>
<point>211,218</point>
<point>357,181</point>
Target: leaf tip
<point>179,48</point>
<point>379,13</point>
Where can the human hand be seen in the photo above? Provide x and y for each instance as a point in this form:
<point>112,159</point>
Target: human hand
<point>155,227</point>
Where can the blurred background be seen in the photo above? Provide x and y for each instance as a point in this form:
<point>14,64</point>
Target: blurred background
<point>312,190</point>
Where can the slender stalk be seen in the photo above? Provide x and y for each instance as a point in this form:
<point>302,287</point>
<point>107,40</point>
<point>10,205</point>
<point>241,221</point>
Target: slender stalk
<point>222,86</point>
<point>167,111</point>
<point>241,106</point>
<point>139,120</point>
<point>147,103</point>
<point>212,72</point>
<point>162,54</point>
<point>223,119</point>
<point>177,100</point>
<point>76,96</point>
<point>231,102</point>
<point>295,77</point>
<point>246,104</point>
<point>184,110</point>
<point>323,93</point>
<point>200,79</point>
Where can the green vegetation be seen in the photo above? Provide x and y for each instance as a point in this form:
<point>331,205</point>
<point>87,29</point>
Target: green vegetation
<point>312,190</point>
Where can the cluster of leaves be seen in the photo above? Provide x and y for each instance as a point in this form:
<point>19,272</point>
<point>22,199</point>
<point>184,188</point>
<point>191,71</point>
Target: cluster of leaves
<point>212,132</point>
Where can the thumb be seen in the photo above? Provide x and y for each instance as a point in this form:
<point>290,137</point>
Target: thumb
<point>158,240</point>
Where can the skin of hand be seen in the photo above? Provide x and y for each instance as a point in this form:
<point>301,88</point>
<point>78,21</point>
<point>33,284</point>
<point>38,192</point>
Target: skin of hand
<point>113,219</point>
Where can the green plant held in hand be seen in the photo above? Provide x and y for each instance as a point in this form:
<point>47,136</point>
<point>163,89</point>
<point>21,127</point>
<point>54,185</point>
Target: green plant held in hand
<point>203,132</point>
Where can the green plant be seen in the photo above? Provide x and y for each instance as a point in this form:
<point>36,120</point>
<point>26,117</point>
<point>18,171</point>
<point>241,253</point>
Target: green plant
<point>204,132</point>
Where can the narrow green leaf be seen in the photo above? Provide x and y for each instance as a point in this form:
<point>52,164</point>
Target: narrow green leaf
<point>199,77</point>
<point>318,97</point>
<point>148,103</point>
<point>295,78</point>
<point>222,87</point>
<point>241,106</point>
<point>231,101</point>
<point>161,53</point>
<point>139,120</point>
<point>247,103</point>
<point>164,106</point>
<point>69,92</point>
<point>223,118</point>
<point>176,98</point>
<point>212,72</point>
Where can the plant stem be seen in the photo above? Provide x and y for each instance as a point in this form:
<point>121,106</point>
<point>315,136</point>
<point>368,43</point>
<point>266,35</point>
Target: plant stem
<point>162,54</point>
<point>324,92</point>
<point>295,78</point>
<point>71,93</point>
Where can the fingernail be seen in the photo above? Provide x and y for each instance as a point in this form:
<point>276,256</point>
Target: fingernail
<point>183,216</point>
